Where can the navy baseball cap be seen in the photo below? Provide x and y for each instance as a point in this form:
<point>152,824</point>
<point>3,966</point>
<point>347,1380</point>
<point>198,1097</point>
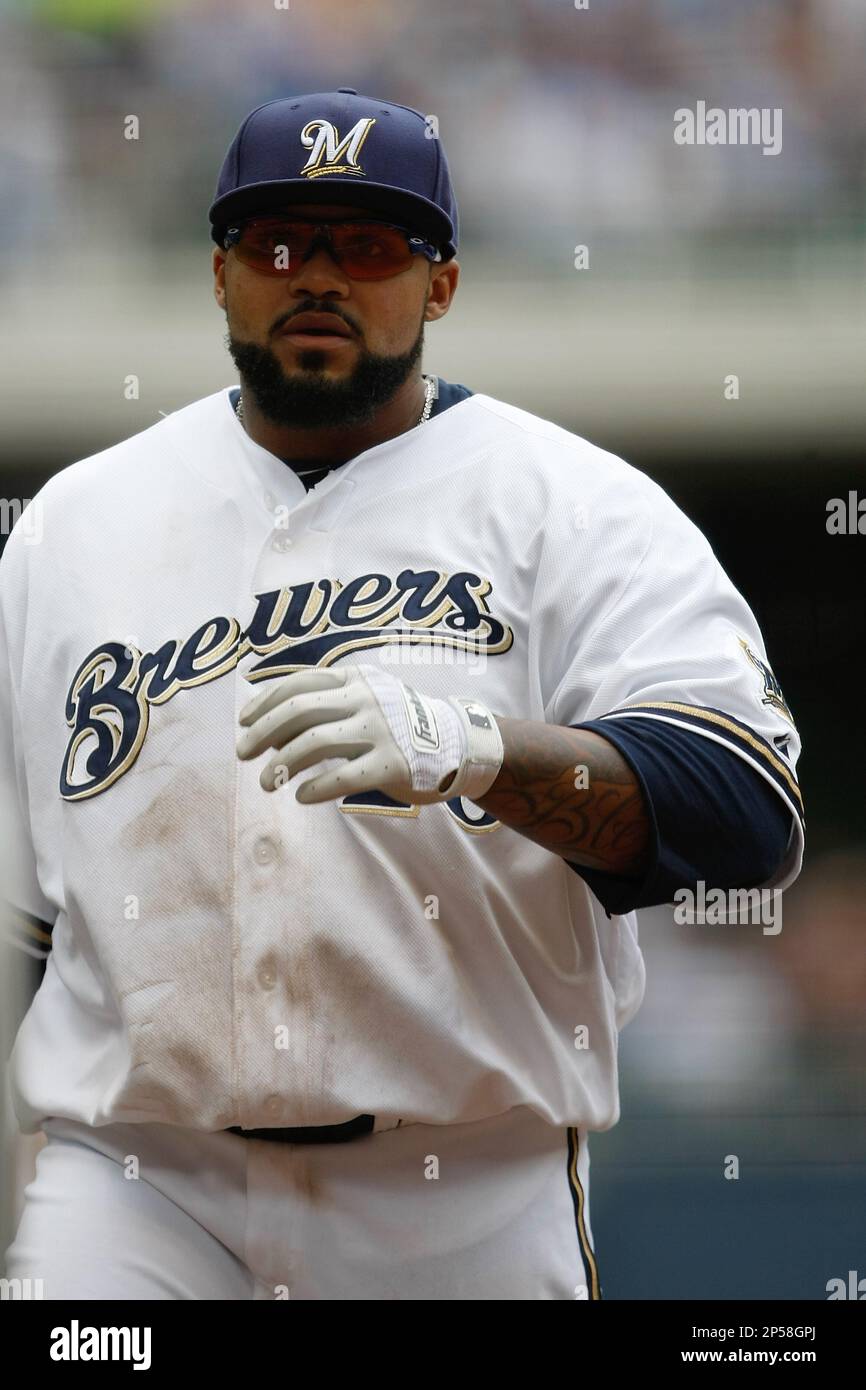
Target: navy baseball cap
<point>339,147</point>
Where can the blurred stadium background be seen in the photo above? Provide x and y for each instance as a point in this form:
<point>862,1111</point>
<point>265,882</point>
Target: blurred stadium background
<point>558,124</point>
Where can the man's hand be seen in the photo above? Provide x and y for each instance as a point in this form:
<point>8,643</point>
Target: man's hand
<point>394,740</point>
<point>419,750</point>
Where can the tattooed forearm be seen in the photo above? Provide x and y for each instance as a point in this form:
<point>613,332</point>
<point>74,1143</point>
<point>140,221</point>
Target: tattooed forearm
<point>572,792</point>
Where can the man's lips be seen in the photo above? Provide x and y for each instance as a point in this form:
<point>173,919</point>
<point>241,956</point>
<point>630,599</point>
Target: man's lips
<point>316,330</point>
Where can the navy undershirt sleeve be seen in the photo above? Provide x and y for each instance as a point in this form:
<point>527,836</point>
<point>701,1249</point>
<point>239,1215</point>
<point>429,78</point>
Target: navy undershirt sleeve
<point>713,817</point>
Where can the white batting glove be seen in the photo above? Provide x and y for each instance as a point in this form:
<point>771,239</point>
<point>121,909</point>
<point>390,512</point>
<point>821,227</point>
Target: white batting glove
<point>395,740</point>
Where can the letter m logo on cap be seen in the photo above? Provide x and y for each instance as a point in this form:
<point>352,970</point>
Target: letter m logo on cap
<point>327,149</point>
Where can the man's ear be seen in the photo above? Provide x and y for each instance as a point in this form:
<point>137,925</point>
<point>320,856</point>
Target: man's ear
<point>219,273</point>
<point>444,276</point>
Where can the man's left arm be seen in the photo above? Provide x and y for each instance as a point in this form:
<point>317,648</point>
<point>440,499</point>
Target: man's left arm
<point>572,792</point>
<point>640,808</point>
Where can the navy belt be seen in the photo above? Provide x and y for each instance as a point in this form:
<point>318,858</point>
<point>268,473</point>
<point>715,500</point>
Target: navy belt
<point>312,1134</point>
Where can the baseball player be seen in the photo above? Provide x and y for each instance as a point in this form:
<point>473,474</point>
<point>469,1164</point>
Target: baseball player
<point>348,717</point>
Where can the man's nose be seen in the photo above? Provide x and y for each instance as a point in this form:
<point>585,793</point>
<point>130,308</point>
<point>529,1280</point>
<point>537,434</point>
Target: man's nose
<point>318,271</point>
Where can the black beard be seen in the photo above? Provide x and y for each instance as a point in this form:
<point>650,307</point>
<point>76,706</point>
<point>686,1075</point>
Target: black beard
<point>313,400</point>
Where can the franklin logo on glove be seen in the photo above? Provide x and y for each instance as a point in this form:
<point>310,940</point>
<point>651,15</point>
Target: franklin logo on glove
<point>422,721</point>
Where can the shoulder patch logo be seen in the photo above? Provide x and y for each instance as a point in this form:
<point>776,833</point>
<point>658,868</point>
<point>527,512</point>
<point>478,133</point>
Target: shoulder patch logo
<point>772,690</point>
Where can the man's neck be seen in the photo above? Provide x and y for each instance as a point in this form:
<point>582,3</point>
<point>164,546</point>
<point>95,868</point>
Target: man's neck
<point>336,444</point>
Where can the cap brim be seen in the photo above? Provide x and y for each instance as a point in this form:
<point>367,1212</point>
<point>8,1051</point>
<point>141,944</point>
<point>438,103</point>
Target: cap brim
<point>411,210</point>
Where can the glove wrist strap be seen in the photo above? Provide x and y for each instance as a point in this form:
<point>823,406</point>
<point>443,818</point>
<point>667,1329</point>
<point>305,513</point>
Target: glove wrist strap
<point>484,754</point>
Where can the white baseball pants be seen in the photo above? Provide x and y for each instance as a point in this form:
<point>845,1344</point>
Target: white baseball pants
<point>495,1210</point>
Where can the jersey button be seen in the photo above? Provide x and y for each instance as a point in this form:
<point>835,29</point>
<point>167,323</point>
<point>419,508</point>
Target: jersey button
<point>272,1107</point>
<point>267,976</point>
<point>263,850</point>
<point>270,501</point>
<point>281,543</point>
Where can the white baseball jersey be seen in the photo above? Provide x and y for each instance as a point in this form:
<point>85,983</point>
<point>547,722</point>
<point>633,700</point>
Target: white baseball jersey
<point>225,956</point>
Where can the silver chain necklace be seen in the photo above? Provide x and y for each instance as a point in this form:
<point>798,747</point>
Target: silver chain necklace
<point>429,396</point>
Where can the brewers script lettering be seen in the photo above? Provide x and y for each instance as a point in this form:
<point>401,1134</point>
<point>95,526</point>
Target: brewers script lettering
<point>309,624</point>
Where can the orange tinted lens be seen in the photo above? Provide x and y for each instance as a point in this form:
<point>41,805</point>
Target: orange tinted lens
<point>272,245</point>
<point>368,252</point>
<point>365,251</point>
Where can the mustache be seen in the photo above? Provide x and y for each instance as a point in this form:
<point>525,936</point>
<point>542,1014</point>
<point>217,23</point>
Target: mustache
<point>311,307</point>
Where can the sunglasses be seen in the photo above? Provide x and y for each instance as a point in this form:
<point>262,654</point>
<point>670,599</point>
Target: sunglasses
<point>367,250</point>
